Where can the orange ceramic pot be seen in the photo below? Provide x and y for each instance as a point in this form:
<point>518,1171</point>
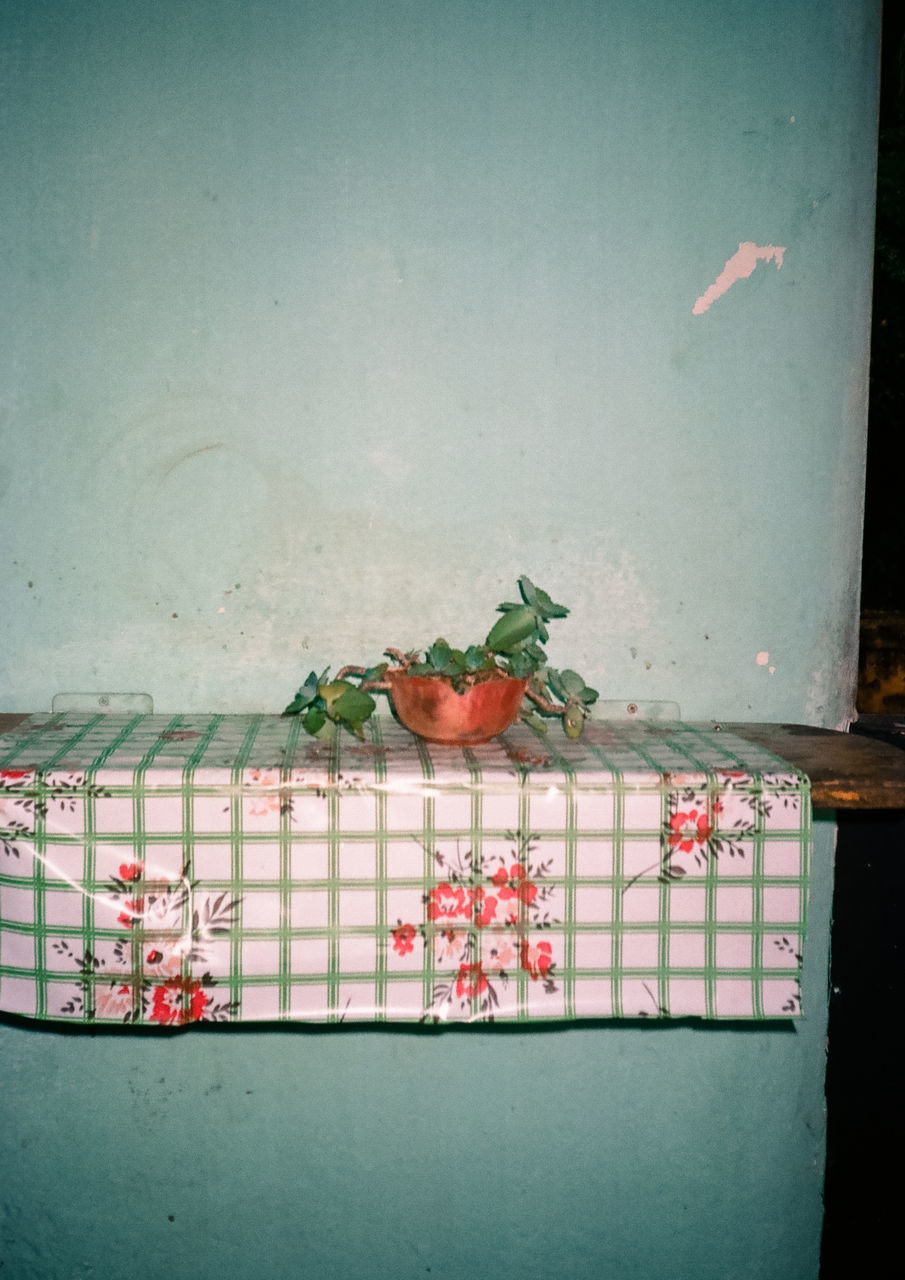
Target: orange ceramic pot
<point>430,707</point>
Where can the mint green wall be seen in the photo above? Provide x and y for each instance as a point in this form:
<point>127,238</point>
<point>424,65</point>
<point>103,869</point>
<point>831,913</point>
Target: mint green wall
<point>321,322</point>
<point>582,1153</point>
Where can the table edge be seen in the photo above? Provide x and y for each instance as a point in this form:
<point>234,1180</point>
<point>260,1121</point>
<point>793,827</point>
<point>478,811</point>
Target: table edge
<point>846,771</point>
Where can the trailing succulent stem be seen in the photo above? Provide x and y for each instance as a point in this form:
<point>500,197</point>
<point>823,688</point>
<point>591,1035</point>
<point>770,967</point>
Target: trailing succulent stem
<point>513,647</point>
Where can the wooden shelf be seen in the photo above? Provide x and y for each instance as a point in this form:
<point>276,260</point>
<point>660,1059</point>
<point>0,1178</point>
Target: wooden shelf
<point>847,771</point>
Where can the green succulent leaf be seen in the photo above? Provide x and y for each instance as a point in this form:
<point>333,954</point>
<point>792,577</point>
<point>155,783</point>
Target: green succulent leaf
<point>298,703</point>
<point>314,721</point>
<point>515,626</point>
<point>572,684</point>
<point>438,654</point>
<point>568,684</point>
<point>478,658</point>
<point>540,601</point>
<point>456,664</point>
<point>522,664</point>
<point>554,684</point>
<point>332,692</point>
<point>353,706</point>
<point>573,720</point>
<point>304,697</point>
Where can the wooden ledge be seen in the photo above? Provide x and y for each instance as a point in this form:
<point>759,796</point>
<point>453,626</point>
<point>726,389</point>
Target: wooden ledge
<point>847,770</point>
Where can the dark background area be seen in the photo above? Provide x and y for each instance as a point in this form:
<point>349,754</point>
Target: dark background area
<point>864,1181</point>
<point>883,568</point>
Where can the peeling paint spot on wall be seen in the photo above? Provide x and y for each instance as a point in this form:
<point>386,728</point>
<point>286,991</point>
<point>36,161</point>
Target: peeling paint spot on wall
<point>739,267</point>
<point>762,658</point>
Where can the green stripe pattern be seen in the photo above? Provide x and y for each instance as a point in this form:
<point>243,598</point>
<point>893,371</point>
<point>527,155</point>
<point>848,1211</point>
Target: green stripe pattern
<point>166,870</point>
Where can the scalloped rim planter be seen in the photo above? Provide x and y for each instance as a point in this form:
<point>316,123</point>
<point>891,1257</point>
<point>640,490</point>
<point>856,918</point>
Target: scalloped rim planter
<point>431,708</point>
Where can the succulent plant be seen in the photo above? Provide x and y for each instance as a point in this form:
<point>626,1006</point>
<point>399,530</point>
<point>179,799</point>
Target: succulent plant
<point>513,647</point>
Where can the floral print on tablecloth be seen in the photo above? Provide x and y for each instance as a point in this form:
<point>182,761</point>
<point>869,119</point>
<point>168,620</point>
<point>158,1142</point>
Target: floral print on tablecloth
<point>155,972</point>
<point>172,870</point>
<point>483,925</point>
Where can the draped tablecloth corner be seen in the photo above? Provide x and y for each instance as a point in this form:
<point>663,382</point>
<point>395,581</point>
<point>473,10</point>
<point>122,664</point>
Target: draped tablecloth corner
<point>167,870</point>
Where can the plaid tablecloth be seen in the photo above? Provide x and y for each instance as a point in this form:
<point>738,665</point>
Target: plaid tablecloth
<point>172,869</point>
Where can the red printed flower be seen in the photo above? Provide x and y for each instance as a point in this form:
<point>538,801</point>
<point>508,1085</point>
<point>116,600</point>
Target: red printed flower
<point>445,902</point>
<point>497,951</point>
<point>484,906</point>
<point>133,909</point>
<point>536,960</point>
<point>179,1001</point>
<point>113,1002</point>
<point>449,945</point>
<point>165,961</point>
<point>131,870</point>
<point>404,939</point>
<point>514,883</point>
<point>689,829</point>
<point>471,981</point>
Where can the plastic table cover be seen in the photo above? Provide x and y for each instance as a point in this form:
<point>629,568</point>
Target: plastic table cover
<point>168,870</point>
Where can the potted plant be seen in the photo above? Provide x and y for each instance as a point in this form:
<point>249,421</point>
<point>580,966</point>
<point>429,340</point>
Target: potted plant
<point>459,697</point>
